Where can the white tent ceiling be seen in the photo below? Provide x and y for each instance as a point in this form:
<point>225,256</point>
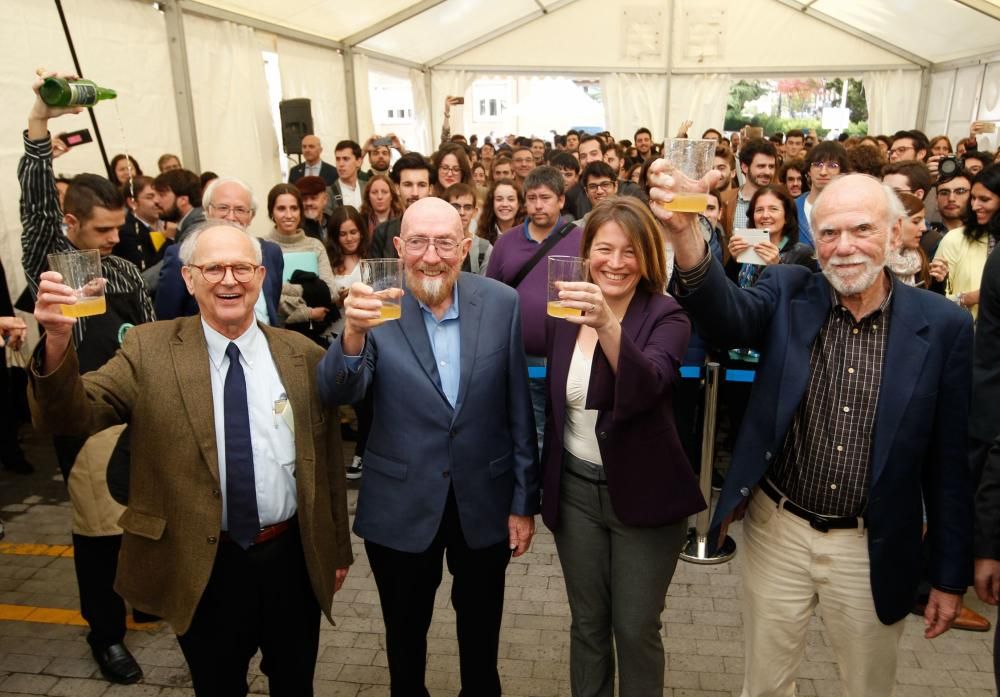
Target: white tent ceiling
<point>921,31</point>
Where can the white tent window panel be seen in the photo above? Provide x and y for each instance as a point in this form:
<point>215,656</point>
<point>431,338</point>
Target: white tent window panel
<point>968,81</point>
<point>642,31</point>
<point>938,103</point>
<point>704,30</point>
<point>989,103</point>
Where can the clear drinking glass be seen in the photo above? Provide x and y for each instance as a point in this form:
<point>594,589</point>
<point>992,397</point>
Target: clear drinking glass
<point>561,269</point>
<point>385,276</point>
<point>81,271</point>
<point>693,159</point>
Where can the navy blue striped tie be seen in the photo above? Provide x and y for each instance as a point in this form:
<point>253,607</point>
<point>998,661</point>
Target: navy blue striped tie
<point>241,492</point>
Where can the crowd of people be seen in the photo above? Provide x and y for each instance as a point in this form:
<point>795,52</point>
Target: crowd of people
<point>863,310</point>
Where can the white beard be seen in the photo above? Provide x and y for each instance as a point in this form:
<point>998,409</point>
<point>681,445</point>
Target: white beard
<point>869,274</point>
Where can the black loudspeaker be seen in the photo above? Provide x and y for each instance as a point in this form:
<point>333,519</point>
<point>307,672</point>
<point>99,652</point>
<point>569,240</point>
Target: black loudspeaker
<point>296,122</point>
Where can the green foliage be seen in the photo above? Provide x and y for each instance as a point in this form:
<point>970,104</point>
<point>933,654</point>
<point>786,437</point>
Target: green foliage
<point>856,101</point>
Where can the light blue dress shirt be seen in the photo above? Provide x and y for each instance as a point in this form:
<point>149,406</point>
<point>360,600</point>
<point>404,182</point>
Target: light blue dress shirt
<point>271,433</point>
<point>446,343</point>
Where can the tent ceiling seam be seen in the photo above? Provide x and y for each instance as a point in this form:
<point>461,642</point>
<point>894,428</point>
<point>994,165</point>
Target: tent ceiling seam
<point>391,22</point>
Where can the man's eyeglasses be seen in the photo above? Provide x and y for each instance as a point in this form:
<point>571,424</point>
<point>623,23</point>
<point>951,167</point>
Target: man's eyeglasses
<point>214,273</point>
<point>832,166</point>
<point>948,193</point>
<point>464,207</point>
<point>444,246</point>
<point>601,186</point>
<point>900,149</point>
<point>225,210</point>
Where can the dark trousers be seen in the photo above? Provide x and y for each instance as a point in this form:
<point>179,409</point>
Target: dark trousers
<point>95,560</point>
<point>259,598</point>
<point>407,583</point>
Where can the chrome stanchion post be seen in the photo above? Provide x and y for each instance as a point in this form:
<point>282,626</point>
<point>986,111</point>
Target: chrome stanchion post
<point>697,550</point>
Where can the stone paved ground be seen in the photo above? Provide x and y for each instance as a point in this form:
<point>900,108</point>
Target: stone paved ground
<point>702,628</point>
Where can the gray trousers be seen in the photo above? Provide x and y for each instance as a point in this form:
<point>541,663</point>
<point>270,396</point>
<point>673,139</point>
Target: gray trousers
<point>616,579</point>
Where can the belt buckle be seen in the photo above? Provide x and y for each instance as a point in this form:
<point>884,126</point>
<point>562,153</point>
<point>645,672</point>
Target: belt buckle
<point>819,524</point>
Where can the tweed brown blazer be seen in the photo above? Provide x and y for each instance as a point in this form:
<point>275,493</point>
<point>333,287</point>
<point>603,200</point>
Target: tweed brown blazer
<point>159,382</point>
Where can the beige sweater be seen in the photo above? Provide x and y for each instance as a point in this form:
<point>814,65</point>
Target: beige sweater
<point>292,307</point>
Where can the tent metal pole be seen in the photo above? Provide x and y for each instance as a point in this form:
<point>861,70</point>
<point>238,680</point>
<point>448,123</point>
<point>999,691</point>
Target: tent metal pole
<point>79,73</point>
<point>183,96</point>
<point>925,91</point>
<point>671,23</point>
<point>350,88</point>
<point>428,82</point>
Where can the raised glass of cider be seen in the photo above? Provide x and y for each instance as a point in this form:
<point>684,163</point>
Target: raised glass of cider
<point>81,271</point>
<point>690,160</point>
<point>562,269</point>
<point>385,277</point>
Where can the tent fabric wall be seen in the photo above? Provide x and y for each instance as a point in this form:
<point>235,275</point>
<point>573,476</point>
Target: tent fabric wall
<point>633,100</point>
<point>892,97</point>
<point>701,99</point>
<point>236,135</point>
<point>317,74</point>
<point>421,111</point>
<point>121,44</point>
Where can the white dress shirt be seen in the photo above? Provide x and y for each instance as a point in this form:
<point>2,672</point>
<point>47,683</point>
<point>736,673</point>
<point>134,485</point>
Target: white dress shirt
<point>272,430</point>
<point>580,431</point>
<point>351,196</point>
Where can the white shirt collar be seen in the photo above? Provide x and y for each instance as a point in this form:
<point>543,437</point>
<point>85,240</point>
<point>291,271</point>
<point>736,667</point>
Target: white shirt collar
<point>217,343</point>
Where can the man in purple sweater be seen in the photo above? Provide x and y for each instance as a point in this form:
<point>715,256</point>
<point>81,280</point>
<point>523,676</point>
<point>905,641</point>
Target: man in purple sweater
<point>544,195</point>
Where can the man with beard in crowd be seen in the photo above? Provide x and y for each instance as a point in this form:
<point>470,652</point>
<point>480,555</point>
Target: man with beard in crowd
<point>758,160</point>
<point>178,198</point>
<point>413,175</point>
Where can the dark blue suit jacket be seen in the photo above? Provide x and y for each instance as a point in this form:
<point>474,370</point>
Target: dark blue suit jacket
<point>327,173</point>
<point>919,441</point>
<point>485,448</point>
<point>173,300</point>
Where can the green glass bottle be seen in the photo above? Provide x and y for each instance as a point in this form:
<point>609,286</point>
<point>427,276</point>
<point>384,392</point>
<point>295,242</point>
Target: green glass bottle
<point>57,91</point>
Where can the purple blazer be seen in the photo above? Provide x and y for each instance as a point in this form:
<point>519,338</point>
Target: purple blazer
<point>650,480</point>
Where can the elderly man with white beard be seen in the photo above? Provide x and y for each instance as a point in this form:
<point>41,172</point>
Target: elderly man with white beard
<point>451,466</point>
<point>858,415</point>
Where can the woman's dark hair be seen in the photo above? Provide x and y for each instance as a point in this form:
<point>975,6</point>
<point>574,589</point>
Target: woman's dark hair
<point>791,229</point>
<point>136,169</point>
<point>458,150</point>
<point>487,226</point>
<point>990,178</point>
<point>280,190</point>
<point>333,248</point>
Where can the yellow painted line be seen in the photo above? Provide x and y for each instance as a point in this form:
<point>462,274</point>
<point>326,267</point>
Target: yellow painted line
<point>52,615</point>
<point>31,550</point>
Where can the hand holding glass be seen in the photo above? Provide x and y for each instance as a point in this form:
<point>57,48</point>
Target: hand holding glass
<point>562,269</point>
<point>385,277</point>
<point>81,271</point>
<point>690,160</point>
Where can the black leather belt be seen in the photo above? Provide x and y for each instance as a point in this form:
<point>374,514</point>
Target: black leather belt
<point>817,522</point>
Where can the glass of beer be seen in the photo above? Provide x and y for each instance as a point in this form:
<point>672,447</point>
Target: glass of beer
<point>385,276</point>
<point>81,271</point>
<point>692,159</point>
<point>562,269</point>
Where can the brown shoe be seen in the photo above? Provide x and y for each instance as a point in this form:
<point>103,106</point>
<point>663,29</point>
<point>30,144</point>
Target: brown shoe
<point>971,621</point>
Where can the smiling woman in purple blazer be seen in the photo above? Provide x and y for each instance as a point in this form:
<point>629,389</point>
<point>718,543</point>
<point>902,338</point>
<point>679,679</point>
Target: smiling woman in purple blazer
<point>617,486</point>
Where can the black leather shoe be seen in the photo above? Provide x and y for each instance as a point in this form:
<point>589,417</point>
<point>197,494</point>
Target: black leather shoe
<point>117,664</point>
